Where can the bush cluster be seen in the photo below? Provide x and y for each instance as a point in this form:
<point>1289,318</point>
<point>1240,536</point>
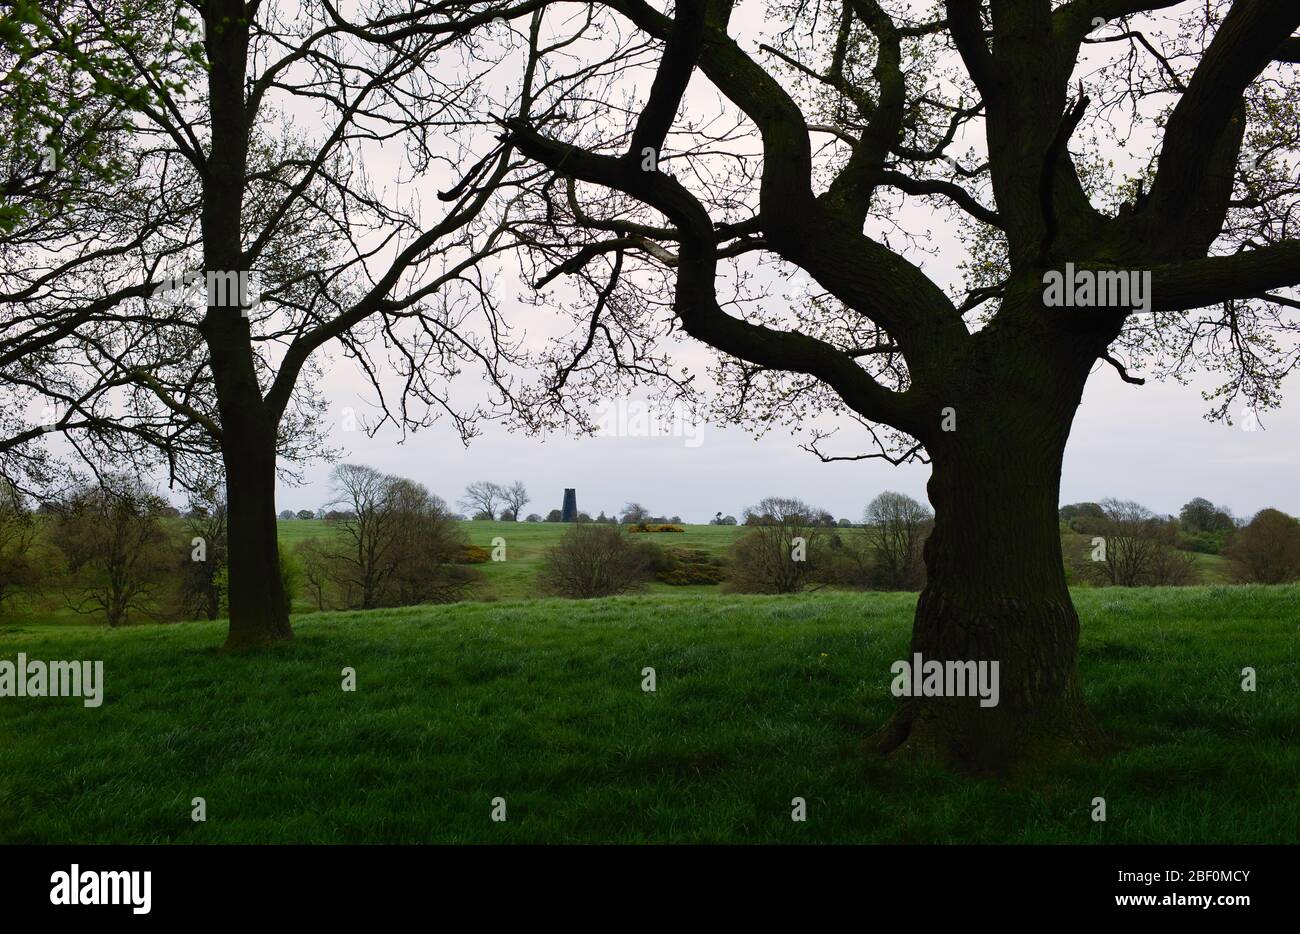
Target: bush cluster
<point>473,554</point>
<point>683,567</point>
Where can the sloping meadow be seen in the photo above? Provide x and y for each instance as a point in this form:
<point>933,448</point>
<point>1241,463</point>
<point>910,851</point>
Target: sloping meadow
<point>539,712</point>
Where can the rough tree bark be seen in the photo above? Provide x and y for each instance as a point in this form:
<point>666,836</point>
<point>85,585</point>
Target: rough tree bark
<point>259,607</point>
<point>995,580</point>
<point>259,610</point>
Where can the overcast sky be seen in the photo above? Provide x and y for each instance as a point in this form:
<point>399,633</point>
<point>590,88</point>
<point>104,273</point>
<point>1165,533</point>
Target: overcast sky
<point>1148,443</point>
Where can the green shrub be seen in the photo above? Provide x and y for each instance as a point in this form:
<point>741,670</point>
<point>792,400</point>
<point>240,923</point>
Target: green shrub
<point>684,567</point>
<point>290,574</point>
<point>1205,543</point>
<point>654,557</point>
<point>689,574</point>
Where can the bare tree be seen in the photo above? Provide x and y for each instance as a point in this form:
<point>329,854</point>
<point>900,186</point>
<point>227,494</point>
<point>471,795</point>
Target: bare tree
<point>592,560</point>
<point>783,551</point>
<point>484,498</point>
<point>426,546</point>
<point>862,107</point>
<point>368,537</point>
<point>1124,544</point>
<point>516,498</point>
<point>1130,533</point>
<point>397,543</point>
<point>1170,566</point>
<point>318,569</point>
<point>894,527</point>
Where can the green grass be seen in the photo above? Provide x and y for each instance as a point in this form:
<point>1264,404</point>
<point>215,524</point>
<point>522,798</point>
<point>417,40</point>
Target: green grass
<point>527,542</point>
<point>293,531</point>
<point>760,699</point>
<point>512,579</point>
<point>1214,569</point>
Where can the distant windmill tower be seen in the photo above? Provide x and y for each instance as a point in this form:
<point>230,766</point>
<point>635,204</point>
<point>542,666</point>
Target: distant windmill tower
<point>569,512</point>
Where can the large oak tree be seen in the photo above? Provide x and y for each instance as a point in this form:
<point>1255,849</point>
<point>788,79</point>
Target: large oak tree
<point>990,109</point>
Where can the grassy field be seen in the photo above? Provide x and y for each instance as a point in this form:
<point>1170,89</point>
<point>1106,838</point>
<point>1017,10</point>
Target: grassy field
<point>531,536</point>
<point>512,579</point>
<point>759,700</point>
<point>526,542</point>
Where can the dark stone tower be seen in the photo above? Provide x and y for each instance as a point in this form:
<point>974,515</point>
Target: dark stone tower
<point>569,511</point>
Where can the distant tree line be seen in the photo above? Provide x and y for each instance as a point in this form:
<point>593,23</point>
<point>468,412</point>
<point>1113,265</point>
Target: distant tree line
<point>789,546</point>
<point>1125,544</point>
<point>115,550</point>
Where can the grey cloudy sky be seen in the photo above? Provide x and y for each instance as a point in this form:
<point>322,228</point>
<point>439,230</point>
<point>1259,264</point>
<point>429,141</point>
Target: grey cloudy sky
<point>1147,443</point>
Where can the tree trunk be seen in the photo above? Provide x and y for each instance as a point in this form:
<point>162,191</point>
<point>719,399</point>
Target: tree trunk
<point>996,591</point>
<point>259,611</point>
<point>259,608</point>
